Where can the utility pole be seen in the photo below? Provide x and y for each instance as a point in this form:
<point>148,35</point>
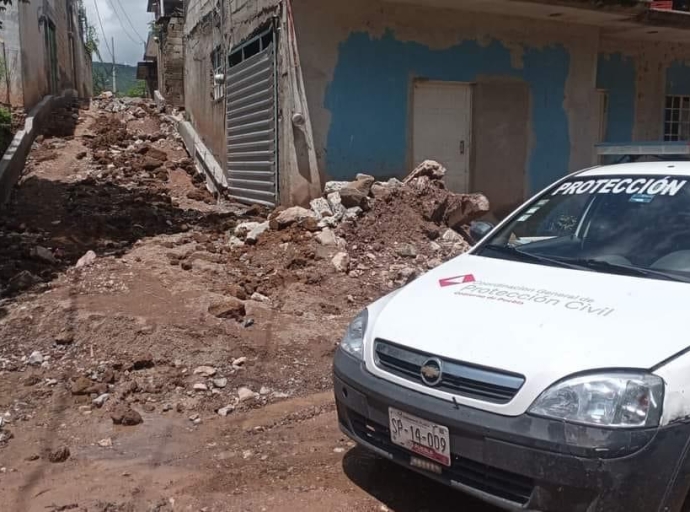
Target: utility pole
<point>112,42</point>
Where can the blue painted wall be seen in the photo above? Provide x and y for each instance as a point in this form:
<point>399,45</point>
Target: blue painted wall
<point>616,74</point>
<point>369,95</point>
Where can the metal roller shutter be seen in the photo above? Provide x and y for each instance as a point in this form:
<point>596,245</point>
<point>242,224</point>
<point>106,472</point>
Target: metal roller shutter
<point>252,128</point>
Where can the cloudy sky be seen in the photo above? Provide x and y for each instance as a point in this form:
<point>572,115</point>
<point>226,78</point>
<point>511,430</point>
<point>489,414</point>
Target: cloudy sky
<point>116,16</point>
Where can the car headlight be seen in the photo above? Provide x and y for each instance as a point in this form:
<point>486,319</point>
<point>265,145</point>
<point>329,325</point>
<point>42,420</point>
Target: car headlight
<point>353,341</point>
<point>618,400</point>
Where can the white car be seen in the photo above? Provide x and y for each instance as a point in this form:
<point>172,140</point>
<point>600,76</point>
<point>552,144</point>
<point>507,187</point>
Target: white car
<point>549,367</point>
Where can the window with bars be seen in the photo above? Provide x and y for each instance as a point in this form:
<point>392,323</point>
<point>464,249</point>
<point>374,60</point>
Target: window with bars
<point>217,69</point>
<point>677,118</point>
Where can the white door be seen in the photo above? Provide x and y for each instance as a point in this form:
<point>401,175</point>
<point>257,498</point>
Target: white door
<point>441,129</point>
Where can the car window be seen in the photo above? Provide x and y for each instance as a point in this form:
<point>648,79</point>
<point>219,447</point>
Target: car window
<point>640,221</point>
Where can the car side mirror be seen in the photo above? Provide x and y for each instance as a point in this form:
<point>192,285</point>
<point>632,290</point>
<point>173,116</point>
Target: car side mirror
<point>479,229</point>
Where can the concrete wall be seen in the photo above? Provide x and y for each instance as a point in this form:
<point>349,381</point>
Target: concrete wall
<point>33,61</point>
<point>360,58</point>
<point>11,91</point>
<point>206,114</point>
<point>171,60</point>
<point>637,77</point>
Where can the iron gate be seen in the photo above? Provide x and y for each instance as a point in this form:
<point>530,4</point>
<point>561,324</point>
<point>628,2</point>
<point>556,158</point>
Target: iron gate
<point>251,108</point>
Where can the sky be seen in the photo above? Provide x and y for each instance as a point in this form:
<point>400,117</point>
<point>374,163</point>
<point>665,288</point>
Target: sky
<point>129,48</point>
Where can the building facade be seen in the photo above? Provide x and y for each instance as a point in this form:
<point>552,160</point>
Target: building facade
<point>43,51</point>
<point>168,43</point>
<point>509,95</point>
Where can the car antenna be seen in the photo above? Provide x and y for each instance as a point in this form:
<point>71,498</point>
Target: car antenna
<point>455,402</point>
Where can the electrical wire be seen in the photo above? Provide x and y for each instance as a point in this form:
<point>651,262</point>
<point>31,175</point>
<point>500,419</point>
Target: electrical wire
<point>130,22</point>
<point>100,23</point>
<point>122,25</point>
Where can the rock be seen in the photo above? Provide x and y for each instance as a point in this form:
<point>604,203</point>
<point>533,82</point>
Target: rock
<point>336,204</point>
<point>167,407</point>
<point>65,337</point>
<point>43,254</point>
<point>235,242</point>
<point>394,183</point>
<point>334,186</point>
<point>239,362</point>
<point>220,383</point>
<point>59,455</point>
<point>229,307</point>
<point>264,391</point>
<point>186,265</point>
<point>451,236</point>
<point>105,443</point>
<point>245,394</point>
<point>205,371</point>
<point>257,297</point>
<point>125,415</point>
<point>100,400</point>
<point>341,261</point>
<point>406,250</point>
<point>241,230</point>
<point>433,263</point>
<point>363,183</point>
<point>428,168</point>
<point>31,380</point>
<point>464,208</point>
<point>108,376</point>
<point>321,207</point>
<point>257,231</point>
<point>327,222</point>
<point>352,214</point>
<point>35,359</point>
<point>248,322</point>
<point>338,449</point>
<point>150,164</point>
<point>295,214</point>
<point>142,362</point>
<point>351,197</point>
<point>81,155</point>
<point>379,191</point>
<point>23,281</point>
<point>434,246</point>
<point>86,260</point>
<point>326,237</point>
<point>237,291</point>
<point>224,411</point>
<point>310,224</point>
<point>200,386</point>
<point>432,232</point>
<point>156,153</point>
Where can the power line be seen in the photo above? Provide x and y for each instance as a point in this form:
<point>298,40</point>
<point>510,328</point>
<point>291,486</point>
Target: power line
<point>130,22</point>
<point>122,25</point>
<point>100,23</point>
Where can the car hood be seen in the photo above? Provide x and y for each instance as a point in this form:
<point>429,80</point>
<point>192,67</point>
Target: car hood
<point>542,322</point>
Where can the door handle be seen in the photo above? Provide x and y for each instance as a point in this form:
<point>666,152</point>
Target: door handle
<point>462,147</point>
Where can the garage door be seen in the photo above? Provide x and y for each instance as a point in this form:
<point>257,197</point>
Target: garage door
<point>252,122</point>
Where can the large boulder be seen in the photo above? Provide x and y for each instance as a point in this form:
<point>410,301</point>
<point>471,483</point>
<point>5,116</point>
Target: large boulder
<point>334,186</point>
<point>464,208</point>
<point>321,207</point>
<point>363,183</point>
<point>351,197</point>
<point>293,215</point>
<point>429,168</point>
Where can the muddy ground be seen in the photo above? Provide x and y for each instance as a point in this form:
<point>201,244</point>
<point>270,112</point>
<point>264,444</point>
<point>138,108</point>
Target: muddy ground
<point>151,325</point>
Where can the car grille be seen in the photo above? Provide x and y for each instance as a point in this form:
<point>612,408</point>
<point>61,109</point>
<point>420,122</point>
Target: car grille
<point>458,378</point>
<point>497,482</point>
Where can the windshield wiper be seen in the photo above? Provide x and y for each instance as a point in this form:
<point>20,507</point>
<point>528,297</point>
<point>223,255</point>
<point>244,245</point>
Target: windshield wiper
<point>528,256</point>
<point>629,270</point>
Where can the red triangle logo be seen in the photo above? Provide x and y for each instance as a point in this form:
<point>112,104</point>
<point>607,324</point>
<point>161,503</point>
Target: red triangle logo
<point>454,281</point>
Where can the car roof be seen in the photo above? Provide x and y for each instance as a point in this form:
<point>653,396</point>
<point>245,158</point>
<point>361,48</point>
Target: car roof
<point>667,168</point>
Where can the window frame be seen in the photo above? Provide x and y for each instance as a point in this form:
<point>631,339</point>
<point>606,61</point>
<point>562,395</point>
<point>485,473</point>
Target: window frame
<point>676,128</point>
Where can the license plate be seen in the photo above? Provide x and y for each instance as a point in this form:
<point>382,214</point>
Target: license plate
<point>420,436</point>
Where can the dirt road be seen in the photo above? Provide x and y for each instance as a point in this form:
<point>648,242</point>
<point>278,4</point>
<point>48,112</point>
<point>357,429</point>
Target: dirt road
<point>214,360</point>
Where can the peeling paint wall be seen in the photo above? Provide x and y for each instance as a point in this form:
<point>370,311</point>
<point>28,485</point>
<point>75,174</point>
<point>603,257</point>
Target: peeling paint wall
<point>360,59</point>
<point>33,61</point>
<point>171,60</point>
<point>10,55</point>
<point>637,77</point>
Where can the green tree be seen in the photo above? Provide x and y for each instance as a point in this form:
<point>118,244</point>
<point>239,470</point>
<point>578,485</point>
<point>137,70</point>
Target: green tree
<point>138,90</point>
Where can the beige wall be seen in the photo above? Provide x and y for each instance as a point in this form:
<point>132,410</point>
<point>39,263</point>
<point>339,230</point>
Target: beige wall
<point>10,54</point>
<point>34,67</point>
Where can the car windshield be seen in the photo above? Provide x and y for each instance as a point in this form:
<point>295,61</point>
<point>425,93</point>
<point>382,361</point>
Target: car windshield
<point>634,225</point>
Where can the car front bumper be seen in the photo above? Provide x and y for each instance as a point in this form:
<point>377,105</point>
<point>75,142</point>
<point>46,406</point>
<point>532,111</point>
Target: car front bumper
<point>523,463</point>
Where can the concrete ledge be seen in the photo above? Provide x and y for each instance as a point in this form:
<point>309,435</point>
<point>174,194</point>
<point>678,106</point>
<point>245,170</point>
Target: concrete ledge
<point>204,160</point>
<point>14,159</point>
